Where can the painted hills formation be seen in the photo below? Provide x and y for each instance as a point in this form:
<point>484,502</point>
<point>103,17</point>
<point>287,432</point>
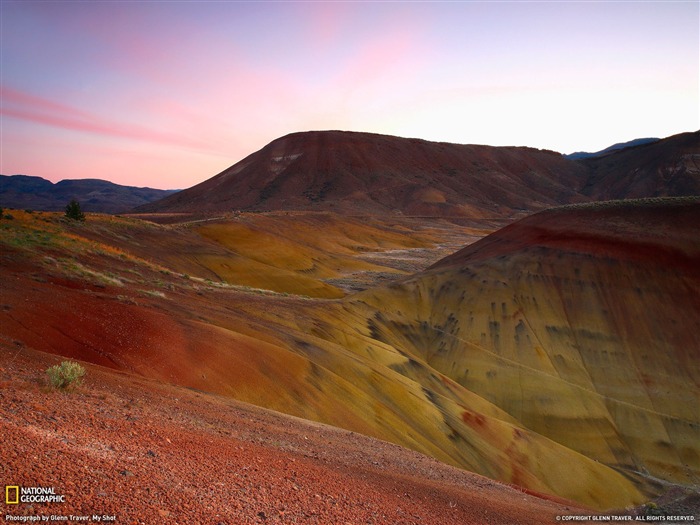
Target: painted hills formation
<point>558,354</point>
<point>580,324</point>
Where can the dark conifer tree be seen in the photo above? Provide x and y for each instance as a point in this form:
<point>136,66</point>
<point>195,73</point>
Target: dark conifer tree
<point>74,212</point>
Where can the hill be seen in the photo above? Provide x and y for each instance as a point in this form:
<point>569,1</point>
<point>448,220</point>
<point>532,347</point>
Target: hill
<point>94,195</point>
<point>579,323</point>
<point>667,168</point>
<point>522,357</point>
<point>369,174</point>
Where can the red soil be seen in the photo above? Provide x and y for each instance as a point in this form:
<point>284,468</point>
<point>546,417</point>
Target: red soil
<point>146,452</point>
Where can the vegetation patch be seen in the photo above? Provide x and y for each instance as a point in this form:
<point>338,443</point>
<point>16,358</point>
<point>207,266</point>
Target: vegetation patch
<point>65,376</point>
<point>153,293</point>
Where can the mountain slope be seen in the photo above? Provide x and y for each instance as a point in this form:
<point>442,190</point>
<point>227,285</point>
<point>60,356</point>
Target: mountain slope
<point>667,168</point>
<point>364,173</point>
<point>94,195</point>
<point>369,174</point>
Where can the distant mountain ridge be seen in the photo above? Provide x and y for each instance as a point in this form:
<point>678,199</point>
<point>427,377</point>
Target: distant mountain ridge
<point>369,174</point>
<point>615,147</point>
<point>94,195</point>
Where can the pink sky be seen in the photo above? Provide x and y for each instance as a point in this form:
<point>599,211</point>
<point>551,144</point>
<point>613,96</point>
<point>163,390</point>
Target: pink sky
<point>167,95</point>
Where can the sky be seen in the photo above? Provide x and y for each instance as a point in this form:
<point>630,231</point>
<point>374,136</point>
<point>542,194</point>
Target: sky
<point>167,94</point>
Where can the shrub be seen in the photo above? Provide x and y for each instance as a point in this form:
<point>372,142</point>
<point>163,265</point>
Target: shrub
<point>652,509</point>
<point>67,374</point>
<point>74,212</point>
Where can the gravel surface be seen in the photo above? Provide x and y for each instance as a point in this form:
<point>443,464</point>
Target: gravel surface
<point>139,451</point>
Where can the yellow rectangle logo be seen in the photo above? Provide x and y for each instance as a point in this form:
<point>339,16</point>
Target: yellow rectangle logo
<point>9,499</point>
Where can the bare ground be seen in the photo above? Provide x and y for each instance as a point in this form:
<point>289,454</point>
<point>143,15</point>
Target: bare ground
<point>145,452</point>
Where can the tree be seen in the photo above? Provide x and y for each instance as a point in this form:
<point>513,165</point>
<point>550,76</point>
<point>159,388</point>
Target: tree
<point>74,212</point>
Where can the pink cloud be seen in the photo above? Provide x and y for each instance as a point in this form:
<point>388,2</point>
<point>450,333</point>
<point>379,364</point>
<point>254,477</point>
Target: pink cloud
<point>328,23</point>
<point>379,57</point>
<point>28,107</point>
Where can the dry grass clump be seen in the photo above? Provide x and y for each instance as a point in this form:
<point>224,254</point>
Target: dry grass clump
<point>68,374</point>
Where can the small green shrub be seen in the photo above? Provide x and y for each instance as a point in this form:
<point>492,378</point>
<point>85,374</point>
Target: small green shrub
<point>652,509</point>
<point>66,375</point>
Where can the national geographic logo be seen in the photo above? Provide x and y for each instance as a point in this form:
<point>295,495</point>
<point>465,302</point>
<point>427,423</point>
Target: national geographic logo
<point>14,495</point>
<point>11,494</point>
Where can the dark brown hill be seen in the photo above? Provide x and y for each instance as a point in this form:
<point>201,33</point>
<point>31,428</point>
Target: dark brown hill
<point>365,173</point>
<point>667,168</point>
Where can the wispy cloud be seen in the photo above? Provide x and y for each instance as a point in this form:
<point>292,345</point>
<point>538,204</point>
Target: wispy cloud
<point>26,106</point>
